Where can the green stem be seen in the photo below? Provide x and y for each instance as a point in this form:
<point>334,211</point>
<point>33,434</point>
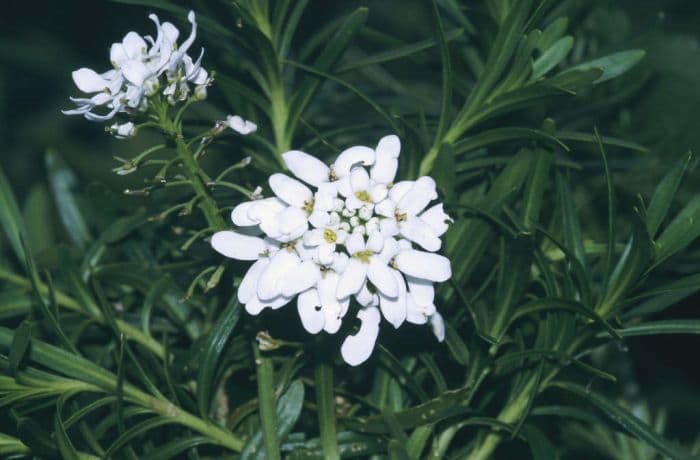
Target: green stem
<point>266,403</point>
<point>192,172</point>
<point>325,400</point>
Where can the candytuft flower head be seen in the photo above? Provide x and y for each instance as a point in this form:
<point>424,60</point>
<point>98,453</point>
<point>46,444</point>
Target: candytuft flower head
<point>341,232</point>
<point>143,68</point>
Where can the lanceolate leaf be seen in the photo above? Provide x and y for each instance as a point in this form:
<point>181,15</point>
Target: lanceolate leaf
<point>625,419</point>
<point>664,194</point>
<point>215,343</point>
<point>613,65</point>
<point>63,183</point>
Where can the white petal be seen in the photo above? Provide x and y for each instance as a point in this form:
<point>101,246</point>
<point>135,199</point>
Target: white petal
<point>290,190</point>
<point>417,231</point>
<point>134,45</point>
<point>399,189</point>
<point>366,298</point>
<point>343,186</point>
<point>378,193</point>
<point>117,55</point>
<point>425,265</point>
<point>88,81</point>
<point>391,248</point>
<point>386,162</point>
<point>438,326</point>
<point>385,208</point>
<point>306,167</point>
<point>325,253</point>
<point>292,222</point>
<point>254,306</point>
<point>388,227</point>
<point>414,313</point>
<point>273,277</point>
<point>301,278</point>
<point>136,72</point>
<point>333,309</point>
<point>394,308</point>
<point>418,197</point>
<point>436,218</point>
<point>260,210</point>
<point>355,243</point>
<point>422,291</point>
<point>340,261</point>
<point>313,237</point>
<point>358,154</point>
<point>351,279</point>
<point>359,179</point>
<point>357,348</point>
<point>375,242</point>
<point>240,217</point>
<point>382,277</point>
<point>310,311</point>
<point>249,285</point>
<point>237,246</point>
<point>319,219</point>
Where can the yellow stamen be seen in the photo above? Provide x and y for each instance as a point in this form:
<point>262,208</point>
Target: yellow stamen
<point>309,206</point>
<point>363,195</point>
<point>363,256</point>
<point>329,235</point>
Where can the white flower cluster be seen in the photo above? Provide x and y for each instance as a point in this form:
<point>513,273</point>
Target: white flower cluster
<point>358,235</point>
<point>143,66</point>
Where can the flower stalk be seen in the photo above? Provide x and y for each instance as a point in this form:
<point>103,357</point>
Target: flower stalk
<point>266,403</point>
<point>325,402</point>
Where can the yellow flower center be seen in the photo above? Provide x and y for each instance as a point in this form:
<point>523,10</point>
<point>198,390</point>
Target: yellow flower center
<point>400,216</point>
<point>329,235</point>
<point>331,176</point>
<point>363,256</point>
<point>363,195</point>
<point>309,206</point>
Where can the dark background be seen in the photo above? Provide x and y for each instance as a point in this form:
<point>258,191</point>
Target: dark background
<point>41,42</point>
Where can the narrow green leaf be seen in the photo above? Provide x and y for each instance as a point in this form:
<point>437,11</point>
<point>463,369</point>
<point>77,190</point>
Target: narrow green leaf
<point>625,419</point>
<point>673,326</point>
<point>287,411</point>
<point>682,231</point>
<point>611,209</point>
<point>11,218</point>
<point>609,141</point>
<point>175,448</point>
<point>535,188</point>
<point>552,57</point>
<point>497,135</point>
<point>540,447</point>
<point>630,267</point>
<point>209,358</point>
<point>399,52</point>
<point>612,65</point>
<point>334,49</point>
<point>664,194</point>
<point>445,171</point>
<point>446,101</point>
<point>19,346</point>
<point>458,349</point>
<point>65,445</point>
<point>63,181</point>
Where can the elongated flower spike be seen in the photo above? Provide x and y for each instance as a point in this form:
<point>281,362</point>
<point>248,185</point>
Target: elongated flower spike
<point>143,67</point>
<point>341,232</point>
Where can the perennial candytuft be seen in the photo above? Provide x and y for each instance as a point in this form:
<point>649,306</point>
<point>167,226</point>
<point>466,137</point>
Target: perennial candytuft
<point>356,235</point>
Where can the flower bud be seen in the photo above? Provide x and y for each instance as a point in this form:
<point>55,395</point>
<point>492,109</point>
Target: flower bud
<point>365,213</point>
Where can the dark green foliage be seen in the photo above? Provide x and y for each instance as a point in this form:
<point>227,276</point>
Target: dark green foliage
<point>574,238</point>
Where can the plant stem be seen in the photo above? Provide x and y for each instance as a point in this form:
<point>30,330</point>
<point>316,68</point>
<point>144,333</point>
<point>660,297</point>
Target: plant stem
<point>325,400</point>
<point>193,173</point>
<point>266,403</point>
